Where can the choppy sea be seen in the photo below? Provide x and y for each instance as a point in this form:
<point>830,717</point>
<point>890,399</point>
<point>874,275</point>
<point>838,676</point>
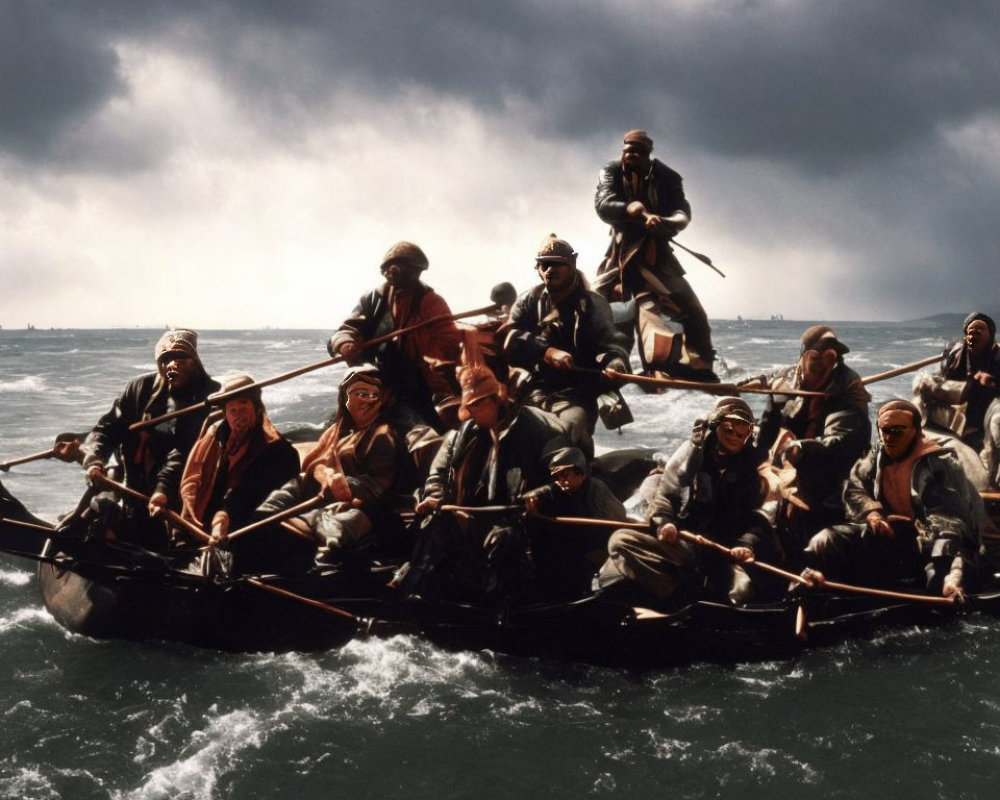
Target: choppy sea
<point>910,713</point>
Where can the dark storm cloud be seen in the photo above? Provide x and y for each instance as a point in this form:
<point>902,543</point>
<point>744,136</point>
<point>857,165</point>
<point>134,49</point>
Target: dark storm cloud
<point>820,85</point>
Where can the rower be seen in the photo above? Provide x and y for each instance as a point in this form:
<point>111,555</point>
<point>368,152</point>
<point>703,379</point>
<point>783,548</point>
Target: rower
<point>563,335</point>
<point>913,516</point>
<point>820,437</point>
<point>418,368</point>
<point>152,458</point>
<point>710,486</point>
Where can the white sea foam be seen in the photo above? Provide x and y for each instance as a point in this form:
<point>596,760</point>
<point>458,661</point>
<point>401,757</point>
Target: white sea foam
<point>14,577</point>
<point>29,384</point>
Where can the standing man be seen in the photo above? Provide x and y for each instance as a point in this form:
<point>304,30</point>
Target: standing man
<point>151,458</point>
<point>557,327</point>
<point>820,436</point>
<point>643,201</point>
<point>418,368</point>
<point>913,516</point>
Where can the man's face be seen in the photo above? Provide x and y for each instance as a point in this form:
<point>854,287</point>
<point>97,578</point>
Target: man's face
<point>241,414</point>
<point>556,275</point>
<point>897,432</point>
<point>814,367</point>
<point>485,411</point>
<point>177,369</point>
<point>364,401</point>
<point>977,337</point>
<point>732,435</point>
<point>569,480</point>
<point>401,274</point>
<point>635,158</point>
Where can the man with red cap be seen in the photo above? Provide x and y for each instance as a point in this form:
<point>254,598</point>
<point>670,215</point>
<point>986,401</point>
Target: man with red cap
<point>418,367</point>
<point>500,451</point>
<point>913,516</point>
<point>821,436</point>
<point>643,201</point>
<point>151,458</point>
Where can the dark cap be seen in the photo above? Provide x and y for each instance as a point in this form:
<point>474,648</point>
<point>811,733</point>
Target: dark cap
<point>822,337</point>
<point>732,408</point>
<point>638,138</point>
<point>180,341</point>
<point>555,249</point>
<point>232,383</point>
<point>407,252</point>
<point>567,458</point>
<point>901,405</point>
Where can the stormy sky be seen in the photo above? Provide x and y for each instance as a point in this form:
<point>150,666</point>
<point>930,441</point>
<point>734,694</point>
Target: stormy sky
<point>243,164</point>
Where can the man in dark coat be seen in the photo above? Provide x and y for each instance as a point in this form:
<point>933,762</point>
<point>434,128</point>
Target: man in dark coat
<point>500,451</point>
<point>710,486</point>
<point>236,463</point>
<point>151,458</point>
<point>556,328</point>
<point>418,367</point>
<point>820,436</point>
<point>913,516</point>
<point>969,381</point>
<point>643,201</point>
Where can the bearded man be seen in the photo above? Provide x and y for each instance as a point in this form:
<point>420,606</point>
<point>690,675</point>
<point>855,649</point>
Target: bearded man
<point>914,517</point>
<point>418,367</point>
<point>820,436</point>
<point>643,201</point>
<point>152,457</point>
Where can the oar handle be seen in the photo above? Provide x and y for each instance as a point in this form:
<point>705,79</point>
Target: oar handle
<point>478,509</point>
<point>697,538</point>
<point>711,388</point>
<point>338,612</point>
<point>29,525</point>
<point>595,523</point>
<point>170,514</point>
<point>700,256</point>
<point>285,513</point>
<point>913,598</point>
<point>6,465</point>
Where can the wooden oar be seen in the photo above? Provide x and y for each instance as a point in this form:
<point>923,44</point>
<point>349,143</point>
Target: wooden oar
<point>711,388</point>
<point>478,509</point>
<point>914,598</point>
<point>700,256</point>
<point>989,495</point>
<point>892,373</point>
<point>29,525</point>
<point>339,612</point>
<point>697,538</point>
<point>62,438</point>
<point>170,514</point>
<point>285,513</point>
<point>221,397</point>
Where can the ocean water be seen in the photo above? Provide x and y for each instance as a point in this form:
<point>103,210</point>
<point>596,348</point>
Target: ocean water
<point>911,712</point>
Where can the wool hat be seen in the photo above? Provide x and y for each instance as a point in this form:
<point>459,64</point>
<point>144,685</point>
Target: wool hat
<point>567,458</point>
<point>901,405</point>
<point>477,382</point>
<point>407,252</point>
<point>990,324</point>
<point>822,337</point>
<point>181,341</point>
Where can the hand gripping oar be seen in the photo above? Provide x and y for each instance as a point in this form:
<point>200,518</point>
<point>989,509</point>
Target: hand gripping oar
<point>700,256</point>
<point>711,388</point>
<point>892,373</point>
<point>173,516</point>
<point>326,362</point>
<point>697,538</point>
<point>818,579</point>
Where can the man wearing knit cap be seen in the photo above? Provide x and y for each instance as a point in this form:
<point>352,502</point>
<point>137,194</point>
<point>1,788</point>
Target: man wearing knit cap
<point>563,335</point>
<point>958,397</point>
<point>418,367</point>
<point>499,452</point>
<point>913,516</point>
<point>820,436</point>
<point>710,486</point>
<point>643,201</point>
<point>151,458</point>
